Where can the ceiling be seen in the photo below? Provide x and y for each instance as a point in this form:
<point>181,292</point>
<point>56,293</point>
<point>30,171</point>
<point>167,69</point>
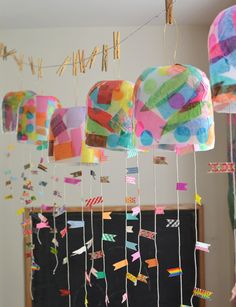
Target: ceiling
<point>77,13</point>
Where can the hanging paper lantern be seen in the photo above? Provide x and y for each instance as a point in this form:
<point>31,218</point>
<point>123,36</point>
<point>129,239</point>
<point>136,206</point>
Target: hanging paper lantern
<point>10,106</point>
<point>110,112</point>
<point>67,137</point>
<point>173,109</point>
<point>222,57</point>
<point>34,119</point>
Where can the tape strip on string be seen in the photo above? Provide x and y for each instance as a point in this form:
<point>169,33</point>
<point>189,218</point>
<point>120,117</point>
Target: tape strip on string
<point>54,222</point>
<point>91,221</point>
<point>126,234</point>
<point>140,214</point>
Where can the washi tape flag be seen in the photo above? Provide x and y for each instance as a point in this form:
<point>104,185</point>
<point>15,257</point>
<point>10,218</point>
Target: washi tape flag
<point>106,215</point>
<point>53,250</point>
<point>147,234</point>
<point>132,153</point>
<point>27,166</point>
<point>96,255</point>
<point>72,180</point>
<point>55,242</point>
<point>152,263</point>
<point>7,197</point>
<point>42,167</point>
<point>135,256</point>
<point>100,275</point>
<point>181,186</point>
<point>124,298</point>
<point>204,294</point>
<point>131,277</point>
<point>175,272</point>
<point>160,210</point>
<point>131,217</point>
<point>130,179</point>
<point>108,237</point>
<point>79,251</point>
<point>172,223</point>
<point>198,199</point>
<point>35,266</point>
<point>89,243</point>
<point>47,208</point>
<point>129,229</point>
<point>64,292</point>
<point>94,201</point>
<point>20,211</point>
<point>159,160</point>
<point>132,170</point>
<point>136,210</point>
<point>76,224</point>
<point>63,232</point>
<point>42,217</point>
<point>42,225</point>
<point>142,278</point>
<point>120,264</point>
<point>202,246</point>
<point>104,179</point>
<point>65,260</point>
<point>221,167</point>
<point>93,174</point>
<point>130,200</point>
<point>76,174</point>
<point>131,245</point>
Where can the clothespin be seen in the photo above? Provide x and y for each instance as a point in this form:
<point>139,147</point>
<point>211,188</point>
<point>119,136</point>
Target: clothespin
<point>116,45</point>
<point>104,57</point>
<point>75,64</point>
<point>40,71</point>
<point>1,49</point>
<point>81,61</point>
<point>62,68</point>
<point>7,53</point>
<point>19,61</point>
<point>31,63</point>
<point>92,57</point>
<point>169,12</point>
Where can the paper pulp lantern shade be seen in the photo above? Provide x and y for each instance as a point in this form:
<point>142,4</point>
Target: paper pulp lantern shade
<point>109,119</point>
<point>222,58</point>
<point>34,119</point>
<point>10,105</point>
<point>67,136</point>
<point>173,109</point>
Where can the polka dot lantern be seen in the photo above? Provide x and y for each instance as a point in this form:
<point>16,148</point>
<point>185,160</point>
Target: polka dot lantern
<point>222,58</point>
<point>173,109</point>
<point>110,115</point>
<point>34,119</point>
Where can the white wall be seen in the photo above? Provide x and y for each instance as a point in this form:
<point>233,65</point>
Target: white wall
<point>139,52</point>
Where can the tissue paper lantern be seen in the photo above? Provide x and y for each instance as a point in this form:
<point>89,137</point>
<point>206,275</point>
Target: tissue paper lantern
<point>34,119</point>
<point>222,58</point>
<point>10,106</point>
<point>173,109</point>
<point>67,136</point>
<point>109,119</point>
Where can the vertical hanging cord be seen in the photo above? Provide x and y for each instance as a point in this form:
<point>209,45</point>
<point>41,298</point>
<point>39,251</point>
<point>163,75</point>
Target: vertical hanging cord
<point>179,236</point>
<point>196,226</point>
<point>140,215</point>
<point>102,246</point>
<point>38,232</point>
<point>126,234</point>
<point>67,246</point>
<point>92,228</point>
<point>155,228</point>
<point>54,223</point>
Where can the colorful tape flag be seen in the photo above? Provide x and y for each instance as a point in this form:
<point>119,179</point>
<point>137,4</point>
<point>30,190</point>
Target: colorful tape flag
<point>131,217</point>
<point>120,264</point>
<point>129,229</point>
<point>198,199</point>
<point>108,237</point>
<point>132,170</point>
<point>124,298</point>
<point>34,266</point>
<point>131,277</point>
<point>42,217</point>
<point>130,200</point>
<point>104,179</point>
<point>76,174</point>
<point>7,197</point>
<point>72,180</point>
<point>172,223</point>
<point>94,201</point>
<point>221,167</point>
<point>106,215</point>
<point>20,211</point>
<point>135,256</point>
<point>79,251</point>
<point>42,225</point>
<point>159,160</point>
<point>53,250</point>
<point>142,278</point>
<point>160,210</point>
<point>130,179</point>
<point>147,234</point>
<point>42,167</point>
<point>89,244</point>
<point>174,272</point>
<point>204,294</point>
<point>63,232</point>
<point>64,292</point>
<point>76,224</point>
<point>131,245</point>
<point>55,242</point>
<point>202,246</point>
<point>136,210</point>
<point>181,186</point>
<point>100,275</point>
<point>152,263</point>
<point>96,255</point>
<point>132,153</point>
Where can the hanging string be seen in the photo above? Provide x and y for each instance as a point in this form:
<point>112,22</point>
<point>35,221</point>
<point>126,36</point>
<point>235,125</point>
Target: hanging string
<point>126,234</point>
<point>155,228</point>
<point>196,226</point>
<point>177,36</point>
<point>67,246</point>
<point>54,222</point>
<point>91,221</point>
<point>102,244</point>
<point>179,236</point>
<point>140,214</point>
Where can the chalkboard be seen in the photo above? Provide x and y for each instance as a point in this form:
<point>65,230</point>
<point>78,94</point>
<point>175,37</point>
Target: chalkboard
<point>45,286</point>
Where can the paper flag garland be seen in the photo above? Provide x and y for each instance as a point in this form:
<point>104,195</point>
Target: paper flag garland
<point>110,110</point>
<point>10,105</point>
<point>221,51</point>
<point>204,294</point>
<point>173,109</point>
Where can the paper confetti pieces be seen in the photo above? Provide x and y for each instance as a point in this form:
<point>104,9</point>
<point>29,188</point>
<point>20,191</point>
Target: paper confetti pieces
<point>53,250</point>
<point>130,200</point>
<point>108,237</point>
<point>204,294</point>
<point>64,292</point>
<point>136,210</point>
<point>142,278</point>
<point>76,224</point>
<point>160,210</point>
<point>124,298</point>
<point>132,170</point>
<point>120,264</point>
<point>76,174</point>
<point>94,201</point>
<point>152,262</point>
<point>79,251</point>
<point>147,234</point>
<point>129,229</point>
<point>221,167</point>
<point>8,197</point>
<point>131,217</point>
<point>172,223</point>
<point>198,199</point>
<point>72,180</point>
<point>181,186</point>
<point>131,245</point>
<point>42,167</point>
<point>159,160</point>
<point>20,211</point>
<point>63,232</point>
<point>202,246</point>
<point>174,272</point>
<point>130,179</point>
<point>104,179</point>
<point>106,215</point>
<point>96,255</point>
<point>135,256</point>
<point>131,277</point>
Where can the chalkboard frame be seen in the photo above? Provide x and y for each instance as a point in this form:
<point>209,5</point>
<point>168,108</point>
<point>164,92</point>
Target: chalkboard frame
<point>200,213</point>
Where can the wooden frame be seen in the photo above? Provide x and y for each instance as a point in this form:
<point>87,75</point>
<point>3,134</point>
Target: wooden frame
<point>201,273</point>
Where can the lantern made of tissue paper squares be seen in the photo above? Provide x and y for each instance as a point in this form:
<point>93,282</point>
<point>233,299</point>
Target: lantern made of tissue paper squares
<point>109,121</point>
<point>67,136</point>
<point>173,109</point>
<point>222,58</point>
<point>10,105</point>
<point>34,119</point>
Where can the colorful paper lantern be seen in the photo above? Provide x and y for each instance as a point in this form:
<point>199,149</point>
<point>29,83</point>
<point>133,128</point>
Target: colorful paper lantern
<point>10,106</point>
<point>109,120</point>
<point>173,109</point>
<point>67,136</point>
<point>222,57</point>
<point>34,119</point>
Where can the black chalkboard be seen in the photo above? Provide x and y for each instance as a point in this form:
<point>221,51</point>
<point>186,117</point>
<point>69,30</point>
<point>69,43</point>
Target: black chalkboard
<point>46,286</point>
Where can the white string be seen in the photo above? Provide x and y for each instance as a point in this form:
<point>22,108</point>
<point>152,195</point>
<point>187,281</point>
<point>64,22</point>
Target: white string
<point>155,228</point>
<point>126,234</point>
<point>179,236</point>
<point>67,246</point>
<point>140,215</point>
<point>54,223</point>
<point>43,198</point>
<point>196,226</point>
<point>91,221</point>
